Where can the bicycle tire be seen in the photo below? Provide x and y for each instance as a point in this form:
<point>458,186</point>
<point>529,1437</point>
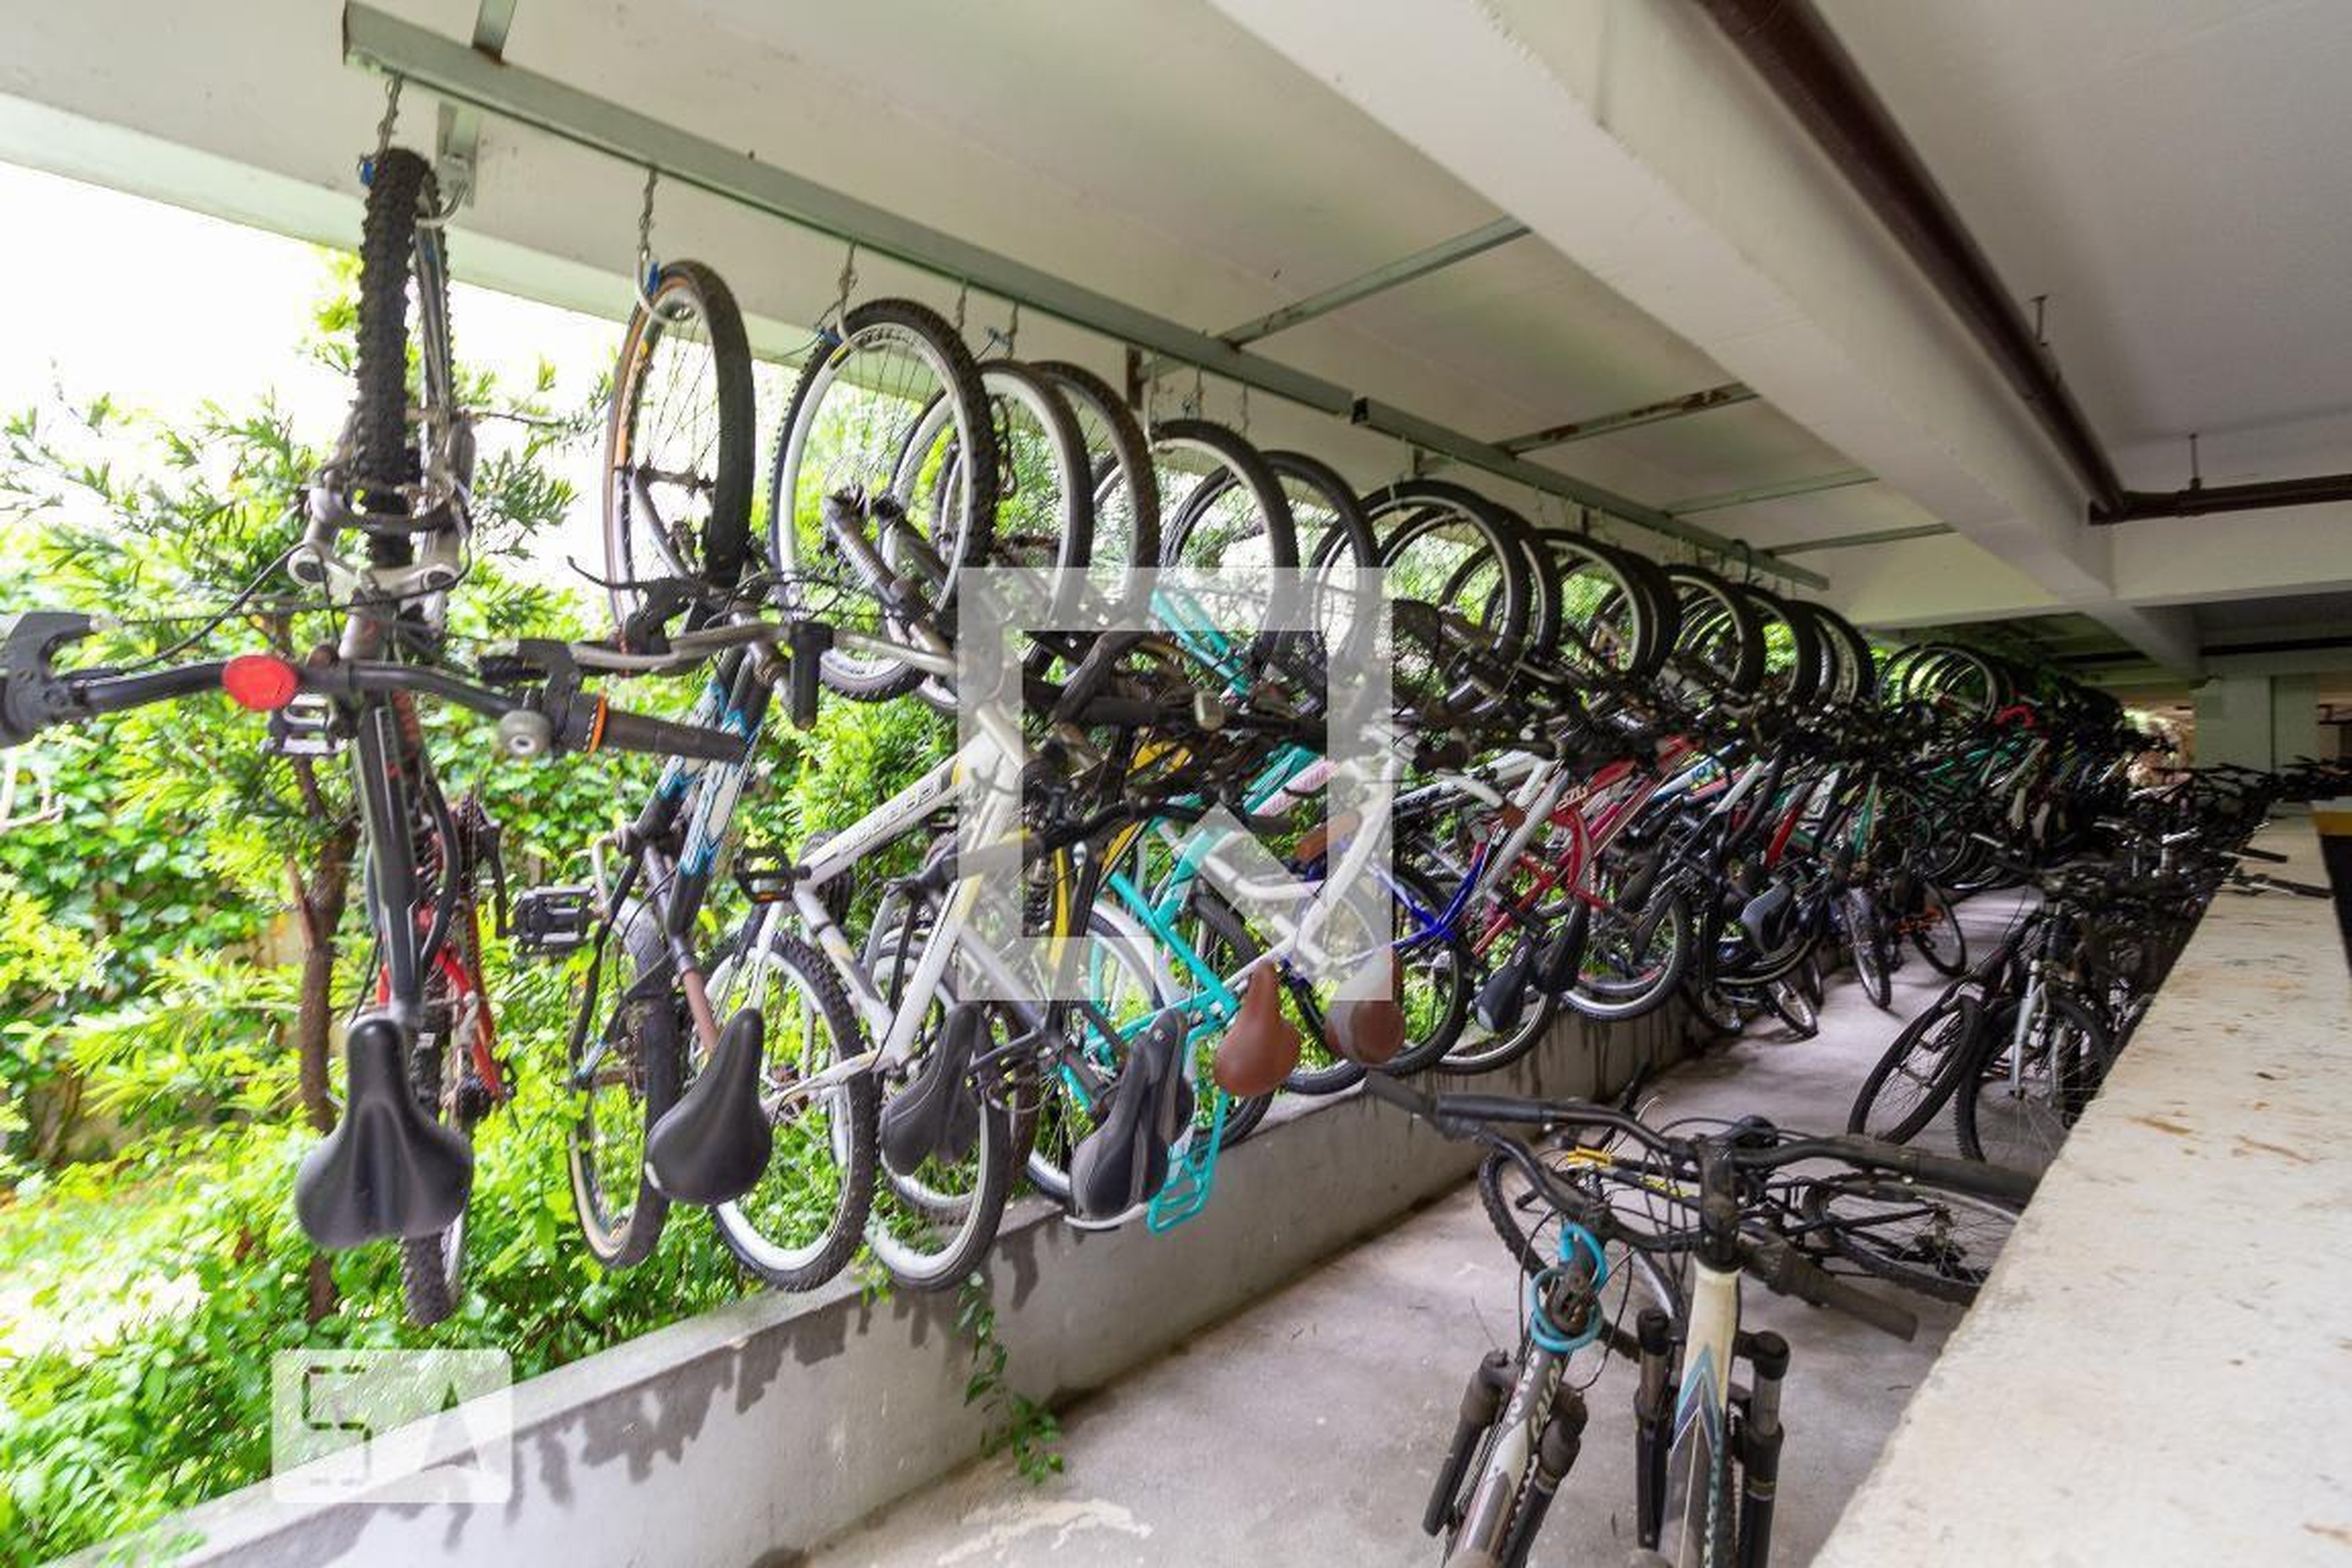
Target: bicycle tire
<point>857,1102</point>
<point>1865,935</point>
<point>930,341</point>
<point>1719,638</point>
<point>710,555</point>
<point>1938,1268</point>
<point>383,453</point>
<point>995,1159</point>
<point>1942,1039</point>
<point>2073,1063</point>
<point>1126,488</point>
<point>621,1241</point>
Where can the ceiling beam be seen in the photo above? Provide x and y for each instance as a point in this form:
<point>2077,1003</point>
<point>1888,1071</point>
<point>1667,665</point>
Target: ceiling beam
<point>379,41</point>
<point>1725,396</point>
<point>1854,541</point>
<point>458,136</point>
<point>1445,253</point>
<point>1844,479</point>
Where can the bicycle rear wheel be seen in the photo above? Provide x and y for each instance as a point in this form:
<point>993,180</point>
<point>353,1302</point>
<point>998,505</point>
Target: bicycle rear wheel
<point>800,1224</point>
<point>932,1221</point>
<point>625,1073</point>
<point>677,446</point>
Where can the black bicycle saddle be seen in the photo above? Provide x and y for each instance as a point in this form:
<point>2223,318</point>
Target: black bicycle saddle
<point>938,1113</point>
<point>387,1169</point>
<point>1125,1160</point>
<point>713,1146</point>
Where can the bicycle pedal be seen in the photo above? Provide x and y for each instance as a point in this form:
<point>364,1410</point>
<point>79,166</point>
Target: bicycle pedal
<point>305,727</point>
<point>765,875</point>
<point>550,923</point>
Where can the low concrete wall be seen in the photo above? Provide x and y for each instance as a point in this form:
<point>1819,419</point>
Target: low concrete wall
<point>743,1436</point>
<point>2160,1369</point>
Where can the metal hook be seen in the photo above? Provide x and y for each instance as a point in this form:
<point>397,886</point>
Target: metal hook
<point>646,269</point>
<point>848,282</point>
<point>384,127</point>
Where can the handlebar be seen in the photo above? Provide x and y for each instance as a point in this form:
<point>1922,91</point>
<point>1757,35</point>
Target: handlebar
<point>554,715</point>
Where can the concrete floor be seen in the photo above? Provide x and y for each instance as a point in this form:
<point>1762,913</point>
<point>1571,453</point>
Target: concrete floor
<point>1308,1429</point>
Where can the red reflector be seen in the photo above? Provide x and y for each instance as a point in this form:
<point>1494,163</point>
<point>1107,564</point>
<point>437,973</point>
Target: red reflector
<point>261,681</point>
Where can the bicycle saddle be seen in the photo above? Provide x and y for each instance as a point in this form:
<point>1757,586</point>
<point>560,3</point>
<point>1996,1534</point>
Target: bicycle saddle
<point>1261,1046</point>
<point>388,1169</point>
<point>1764,917</point>
<point>1502,997</point>
<point>938,1113</point>
<point>1125,1159</point>
<point>1368,1030</point>
<point>713,1146</point>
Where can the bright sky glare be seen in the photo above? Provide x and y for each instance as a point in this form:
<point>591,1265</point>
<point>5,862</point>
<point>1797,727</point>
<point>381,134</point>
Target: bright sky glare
<point>164,310</point>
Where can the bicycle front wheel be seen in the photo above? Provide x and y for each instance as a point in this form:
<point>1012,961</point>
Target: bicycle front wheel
<point>678,444</point>
<point>892,422</point>
<point>1923,1238</point>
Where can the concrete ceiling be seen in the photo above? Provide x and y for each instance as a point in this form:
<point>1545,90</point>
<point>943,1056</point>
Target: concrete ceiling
<point>2173,174</point>
<point>2169,171</point>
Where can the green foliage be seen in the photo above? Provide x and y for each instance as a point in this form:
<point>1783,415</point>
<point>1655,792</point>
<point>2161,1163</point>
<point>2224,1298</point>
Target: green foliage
<point>1016,1423</point>
<point>149,1263</point>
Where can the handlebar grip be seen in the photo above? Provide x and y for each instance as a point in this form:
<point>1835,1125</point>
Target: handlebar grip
<point>1998,1183</point>
<point>1787,1272</point>
<point>613,729</point>
<point>1826,1289</point>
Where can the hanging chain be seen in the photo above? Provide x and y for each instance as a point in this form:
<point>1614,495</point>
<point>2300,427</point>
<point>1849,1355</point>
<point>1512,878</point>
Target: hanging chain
<point>1245,410</point>
<point>384,127</point>
<point>1013,329</point>
<point>1200,391</point>
<point>963,293</point>
<point>646,234</point>
<point>848,282</point>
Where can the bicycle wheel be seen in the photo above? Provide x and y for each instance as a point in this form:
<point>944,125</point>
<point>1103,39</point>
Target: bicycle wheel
<point>2019,1115</point>
<point>1916,1075</point>
<point>1786,1000</point>
<point>894,421</point>
<point>1127,986</point>
<point>1126,489</point>
<point>931,1223</point>
<point>800,1226</point>
<point>1935,930</point>
<point>1610,624</point>
<point>625,1073</point>
<point>1865,935</point>
<point>1633,958</point>
<point>1720,643</point>
<point>1530,1228</point>
<point>1923,1238</point>
<point>1469,562</point>
<point>678,444</point>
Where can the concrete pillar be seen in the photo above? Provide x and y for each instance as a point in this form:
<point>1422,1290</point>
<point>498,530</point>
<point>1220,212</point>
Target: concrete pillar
<point>2258,720</point>
<point>2295,717</point>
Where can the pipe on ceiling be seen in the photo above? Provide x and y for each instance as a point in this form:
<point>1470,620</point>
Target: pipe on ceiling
<point>2199,500</point>
<point>1792,48</point>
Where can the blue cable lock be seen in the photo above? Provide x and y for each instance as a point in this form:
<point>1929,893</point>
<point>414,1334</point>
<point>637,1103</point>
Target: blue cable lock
<point>1540,1328</point>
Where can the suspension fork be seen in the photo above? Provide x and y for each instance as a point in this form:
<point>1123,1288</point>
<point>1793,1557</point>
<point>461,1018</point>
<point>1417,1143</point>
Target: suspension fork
<point>1760,1436</point>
